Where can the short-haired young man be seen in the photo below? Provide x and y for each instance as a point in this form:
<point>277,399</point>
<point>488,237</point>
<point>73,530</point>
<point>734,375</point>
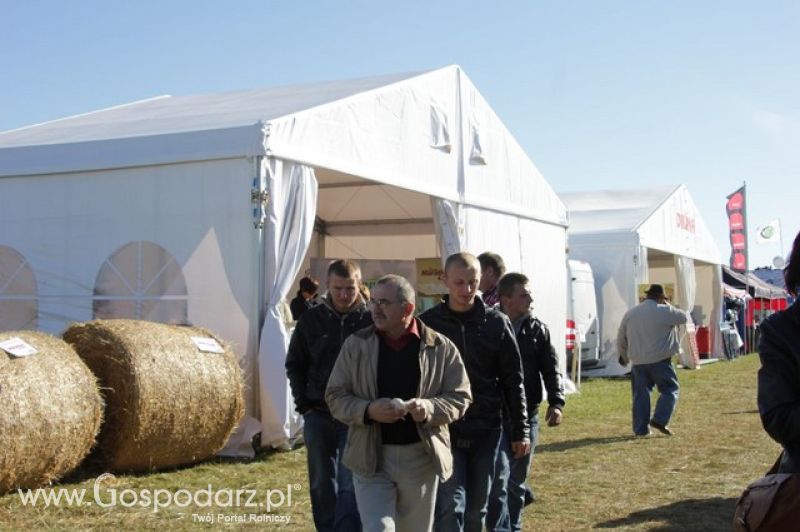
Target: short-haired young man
<point>397,385</point>
<point>313,350</point>
<point>486,341</point>
<point>493,267</point>
<point>540,364</point>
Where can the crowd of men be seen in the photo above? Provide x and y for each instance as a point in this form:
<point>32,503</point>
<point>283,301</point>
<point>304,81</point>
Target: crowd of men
<point>422,422</point>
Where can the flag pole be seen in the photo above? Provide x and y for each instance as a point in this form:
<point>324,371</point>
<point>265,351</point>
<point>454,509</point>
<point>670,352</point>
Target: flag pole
<point>747,336</point>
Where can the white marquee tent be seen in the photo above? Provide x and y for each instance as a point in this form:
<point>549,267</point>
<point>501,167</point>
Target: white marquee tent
<point>202,209</point>
<point>633,237</point>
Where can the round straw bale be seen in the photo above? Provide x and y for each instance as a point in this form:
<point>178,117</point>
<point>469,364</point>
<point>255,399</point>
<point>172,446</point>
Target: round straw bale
<point>167,402</point>
<point>50,412</point>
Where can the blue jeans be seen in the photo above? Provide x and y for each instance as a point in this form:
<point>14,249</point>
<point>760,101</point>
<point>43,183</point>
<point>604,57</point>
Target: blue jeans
<point>508,488</point>
<point>333,499</point>
<point>461,501</point>
<point>643,378</point>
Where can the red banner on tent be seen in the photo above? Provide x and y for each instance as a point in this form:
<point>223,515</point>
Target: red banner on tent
<point>737,223</point>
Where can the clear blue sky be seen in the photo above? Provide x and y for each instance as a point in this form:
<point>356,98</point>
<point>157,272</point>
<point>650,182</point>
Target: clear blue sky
<point>601,94</point>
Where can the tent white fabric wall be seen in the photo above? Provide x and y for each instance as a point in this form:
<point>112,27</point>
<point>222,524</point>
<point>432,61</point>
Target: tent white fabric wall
<point>68,226</point>
<point>390,156</point>
<point>633,237</point>
<point>292,206</point>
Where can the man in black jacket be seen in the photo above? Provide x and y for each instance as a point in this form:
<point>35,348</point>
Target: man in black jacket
<point>313,350</point>
<point>779,376</point>
<point>539,363</point>
<point>486,341</point>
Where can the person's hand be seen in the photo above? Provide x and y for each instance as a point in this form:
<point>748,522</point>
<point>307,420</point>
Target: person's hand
<point>385,410</point>
<point>554,416</point>
<point>416,407</point>
<point>521,448</point>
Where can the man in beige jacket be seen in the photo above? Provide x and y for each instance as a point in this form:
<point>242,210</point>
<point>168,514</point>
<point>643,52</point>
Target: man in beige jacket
<point>397,385</point>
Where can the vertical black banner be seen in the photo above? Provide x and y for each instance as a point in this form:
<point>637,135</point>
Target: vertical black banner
<point>737,224</point>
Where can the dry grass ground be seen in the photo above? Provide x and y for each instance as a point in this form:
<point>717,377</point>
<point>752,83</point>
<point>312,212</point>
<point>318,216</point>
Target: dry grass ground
<point>588,474</point>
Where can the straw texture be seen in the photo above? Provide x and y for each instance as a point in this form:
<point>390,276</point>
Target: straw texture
<point>167,403</point>
<point>50,412</point>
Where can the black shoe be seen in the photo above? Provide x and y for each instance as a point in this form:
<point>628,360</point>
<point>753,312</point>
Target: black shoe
<point>530,498</point>
<point>663,429</point>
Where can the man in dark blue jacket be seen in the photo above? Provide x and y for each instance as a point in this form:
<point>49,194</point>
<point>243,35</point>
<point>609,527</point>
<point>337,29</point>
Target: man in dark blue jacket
<point>489,350</point>
<point>313,350</point>
<point>539,363</point>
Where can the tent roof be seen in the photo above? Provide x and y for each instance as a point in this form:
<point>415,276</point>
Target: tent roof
<point>601,211</point>
<point>174,114</point>
<point>659,218</point>
<point>757,287</point>
<point>431,133</point>
<point>730,291</point>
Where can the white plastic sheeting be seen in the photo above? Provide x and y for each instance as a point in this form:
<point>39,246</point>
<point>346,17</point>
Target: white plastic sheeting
<point>685,295</point>
<point>141,280</point>
<point>541,245</point>
<point>18,292</point>
<point>633,237</point>
<point>292,205</point>
<point>450,226</point>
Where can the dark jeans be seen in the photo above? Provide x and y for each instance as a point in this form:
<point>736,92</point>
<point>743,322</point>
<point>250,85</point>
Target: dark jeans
<point>643,378</point>
<point>461,501</point>
<point>507,497</point>
<point>333,499</point>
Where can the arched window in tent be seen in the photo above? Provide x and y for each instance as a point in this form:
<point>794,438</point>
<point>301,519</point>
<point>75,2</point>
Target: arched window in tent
<point>18,292</point>
<point>141,280</point>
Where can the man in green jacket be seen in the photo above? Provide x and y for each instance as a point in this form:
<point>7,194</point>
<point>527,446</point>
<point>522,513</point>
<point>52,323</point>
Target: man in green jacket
<point>397,385</point>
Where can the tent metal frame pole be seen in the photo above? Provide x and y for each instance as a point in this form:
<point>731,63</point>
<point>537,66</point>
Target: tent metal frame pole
<point>748,337</point>
<point>262,255</point>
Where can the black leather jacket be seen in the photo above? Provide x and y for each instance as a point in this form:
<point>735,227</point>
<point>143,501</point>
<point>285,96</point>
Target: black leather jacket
<point>539,358</point>
<point>313,350</point>
<point>491,356</point>
<point>779,383</point>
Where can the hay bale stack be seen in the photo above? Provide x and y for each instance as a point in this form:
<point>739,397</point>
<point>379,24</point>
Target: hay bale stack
<point>167,403</point>
<point>50,412</point>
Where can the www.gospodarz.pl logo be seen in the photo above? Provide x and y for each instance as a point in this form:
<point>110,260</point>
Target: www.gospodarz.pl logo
<point>105,495</point>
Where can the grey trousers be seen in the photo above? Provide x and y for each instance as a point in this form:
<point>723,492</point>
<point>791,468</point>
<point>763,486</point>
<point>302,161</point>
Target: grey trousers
<point>401,495</point>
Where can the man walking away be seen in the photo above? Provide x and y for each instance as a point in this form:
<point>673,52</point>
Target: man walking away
<point>397,385</point>
<point>313,350</point>
<point>486,341</point>
<point>648,338</point>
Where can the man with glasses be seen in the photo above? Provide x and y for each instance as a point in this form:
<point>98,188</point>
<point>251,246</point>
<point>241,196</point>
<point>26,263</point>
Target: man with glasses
<point>486,341</point>
<point>397,385</point>
<point>313,350</point>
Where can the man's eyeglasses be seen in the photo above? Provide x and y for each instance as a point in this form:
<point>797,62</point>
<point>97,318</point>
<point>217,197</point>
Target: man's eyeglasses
<point>382,303</point>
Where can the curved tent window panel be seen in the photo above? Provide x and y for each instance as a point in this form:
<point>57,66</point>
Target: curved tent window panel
<point>141,280</point>
<point>18,292</point>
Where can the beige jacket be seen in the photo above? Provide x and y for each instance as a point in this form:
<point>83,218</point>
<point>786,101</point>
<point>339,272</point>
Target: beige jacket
<point>353,385</point>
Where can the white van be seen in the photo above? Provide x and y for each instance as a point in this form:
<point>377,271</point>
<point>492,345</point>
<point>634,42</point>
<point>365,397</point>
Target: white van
<point>583,324</point>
